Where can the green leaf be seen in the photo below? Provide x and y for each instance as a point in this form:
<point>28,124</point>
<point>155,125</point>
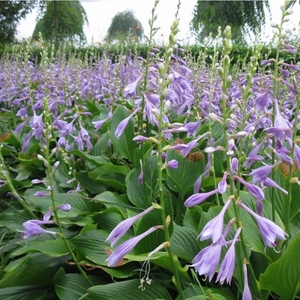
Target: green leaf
<point>184,243</point>
<point>93,246</point>
<point>70,286</point>
<point>124,145</point>
<point>79,206</point>
<point>14,220</point>
<point>95,160</point>
<point>111,176</point>
<point>110,199</point>
<point>282,276</point>
<point>27,292</point>
<point>144,194</point>
<point>90,185</point>
<point>53,248</point>
<point>115,291</point>
<point>31,269</point>
<point>185,175</point>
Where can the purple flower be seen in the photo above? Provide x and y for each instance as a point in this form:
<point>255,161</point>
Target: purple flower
<point>253,156</point>
<point>246,291</point>
<point>199,198</point>
<point>297,155</point>
<point>254,190</point>
<point>207,260</point>
<point>130,89</point>
<point>282,128</point>
<point>268,229</point>
<point>33,227</point>
<point>172,164</point>
<point>214,228</point>
<point>228,263</point>
<point>234,166</point>
<point>123,227</point>
<point>262,101</point>
<point>121,127</point>
<point>124,248</point>
<point>271,183</point>
<point>261,174</point>
<point>41,194</point>
<point>222,186</point>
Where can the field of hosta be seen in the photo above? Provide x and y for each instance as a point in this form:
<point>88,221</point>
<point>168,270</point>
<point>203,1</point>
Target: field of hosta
<point>150,178</point>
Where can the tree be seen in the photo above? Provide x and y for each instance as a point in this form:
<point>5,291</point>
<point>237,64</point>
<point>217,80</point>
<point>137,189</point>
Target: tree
<point>243,17</point>
<point>61,21</point>
<point>11,12</point>
<point>125,25</point>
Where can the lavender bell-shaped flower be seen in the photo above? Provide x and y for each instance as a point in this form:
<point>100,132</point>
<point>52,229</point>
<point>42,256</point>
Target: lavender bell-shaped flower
<point>130,89</point>
<point>246,291</point>
<point>124,248</point>
<point>33,227</point>
<point>199,198</point>
<point>124,226</point>
<point>121,127</point>
<point>207,260</point>
<point>214,228</point>
<point>268,229</point>
<point>228,263</point>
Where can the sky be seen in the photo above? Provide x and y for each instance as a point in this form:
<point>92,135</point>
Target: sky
<point>101,12</point>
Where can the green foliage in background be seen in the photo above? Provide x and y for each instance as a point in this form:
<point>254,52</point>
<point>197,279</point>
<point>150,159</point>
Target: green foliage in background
<point>243,17</point>
<point>124,25</point>
<point>61,21</point>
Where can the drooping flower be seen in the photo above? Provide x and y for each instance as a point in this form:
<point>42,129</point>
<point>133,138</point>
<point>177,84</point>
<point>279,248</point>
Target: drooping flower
<point>260,174</point>
<point>130,89</point>
<point>228,263</point>
<point>246,291</point>
<point>199,198</point>
<point>222,185</point>
<point>282,128</point>
<point>214,228</point>
<point>121,127</point>
<point>253,189</point>
<point>268,229</point>
<point>33,227</point>
<point>262,101</point>
<point>124,226</point>
<point>124,248</point>
<point>253,156</point>
<point>207,260</point>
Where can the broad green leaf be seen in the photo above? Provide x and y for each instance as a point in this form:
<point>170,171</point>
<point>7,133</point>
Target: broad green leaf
<point>26,292</point>
<point>95,160</point>
<point>124,145</point>
<point>13,220</point>
<point>70,286</point>
<point>115,291</point>
<point>142,195</point>
<point>31,269</point>
<point>93,246</point>
<point>283,276</point>
<point>90,185</point>
<point>195,292</point>
<point>110,199</point>
<point>79,205</point>
<point>186,174</point>
<point>101,145</point>
<point>111,176</point>
<point>184,243</point>
<point>53,248</point>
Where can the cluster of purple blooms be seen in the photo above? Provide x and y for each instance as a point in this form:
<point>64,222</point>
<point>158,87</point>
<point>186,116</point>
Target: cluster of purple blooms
<point>34,227</point>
